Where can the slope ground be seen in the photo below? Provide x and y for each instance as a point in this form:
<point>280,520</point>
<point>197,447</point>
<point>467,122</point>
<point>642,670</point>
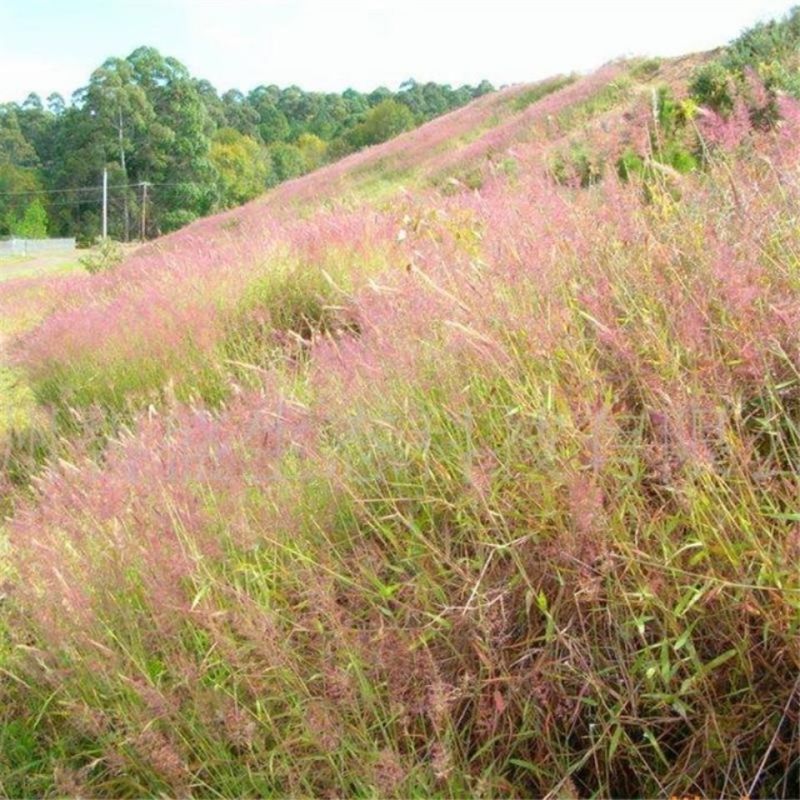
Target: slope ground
<point>461,467</point>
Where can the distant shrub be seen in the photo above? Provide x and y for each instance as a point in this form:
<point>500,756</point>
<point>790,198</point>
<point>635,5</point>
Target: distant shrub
<point>468,179</point>
<point>577,166</point>
<point>388,119</point>
<point>630,164</point>
<point>765,43</point>
<point>672,114</point>
<point>232,224</point>
<point>679,158</point>
<point>756,66</point>
<point>646,69</point>
<point>106,255</point>
<point>673,140</point>
<point>173,220</point>
<point>713,88</point>
<point>509,167</point>
<point>671,145</point>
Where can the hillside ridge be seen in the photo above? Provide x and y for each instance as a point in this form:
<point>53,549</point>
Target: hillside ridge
<point>464,466</point>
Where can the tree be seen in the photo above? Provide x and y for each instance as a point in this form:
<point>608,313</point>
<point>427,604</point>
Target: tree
<point>17,186</point>
<point>212,102</point>
<point>287,161</point>
<point>55,104</point>
<point>124,115</point>
<point>239,114</point>
<point>272,123</point>
<point>150,113</point>
<point>297,107</point>
<point>242,164</point>
<point>387,119</point>
<point>378,95</point>
<point>33,224</point>
<point>146,119</point>
<point>313,150</point>
<point>178,158</point>
<point>14,146</point>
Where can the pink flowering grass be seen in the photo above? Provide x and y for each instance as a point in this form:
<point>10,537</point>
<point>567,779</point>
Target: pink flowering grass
<point>498,496</point>
<point>160,321</point>
<point>163,317</point>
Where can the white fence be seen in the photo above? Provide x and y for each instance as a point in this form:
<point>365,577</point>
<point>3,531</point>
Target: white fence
<point>24,247</point>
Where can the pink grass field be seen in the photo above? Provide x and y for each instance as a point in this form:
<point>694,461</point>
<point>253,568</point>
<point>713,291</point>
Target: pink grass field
<point>482,484</point>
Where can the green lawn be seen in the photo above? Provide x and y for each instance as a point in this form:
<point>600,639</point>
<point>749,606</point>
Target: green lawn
<point>40,264</point>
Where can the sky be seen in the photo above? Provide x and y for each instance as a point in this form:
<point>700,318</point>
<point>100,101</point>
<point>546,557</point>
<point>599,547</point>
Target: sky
<point>53,45</point>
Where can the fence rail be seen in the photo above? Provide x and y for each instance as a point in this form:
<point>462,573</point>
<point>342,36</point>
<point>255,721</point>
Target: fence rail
<point>24,247</point>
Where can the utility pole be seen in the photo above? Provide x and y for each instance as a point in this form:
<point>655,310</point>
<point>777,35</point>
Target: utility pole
<point>145,184</point>
<point>105,203</point>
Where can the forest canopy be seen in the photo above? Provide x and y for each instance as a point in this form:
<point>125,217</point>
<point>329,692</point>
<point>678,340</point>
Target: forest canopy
<point>147,120</point>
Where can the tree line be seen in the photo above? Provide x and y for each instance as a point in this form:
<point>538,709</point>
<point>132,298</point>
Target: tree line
<point>147,120</point>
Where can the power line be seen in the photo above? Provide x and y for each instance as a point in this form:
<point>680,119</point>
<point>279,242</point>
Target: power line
<point>172,183</point>
<point>66,191</point>
<point>73,203</point>
<point>50,191</point>
<point>138,185</point>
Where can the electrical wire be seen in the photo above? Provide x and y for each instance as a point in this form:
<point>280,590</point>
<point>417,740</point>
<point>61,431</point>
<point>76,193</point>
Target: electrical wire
<point>138,185</point>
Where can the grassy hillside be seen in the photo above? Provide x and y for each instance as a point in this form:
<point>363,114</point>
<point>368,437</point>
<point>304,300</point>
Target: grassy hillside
<point>465,466</point>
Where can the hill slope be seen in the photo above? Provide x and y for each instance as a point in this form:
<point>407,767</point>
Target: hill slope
<point>466,466</point>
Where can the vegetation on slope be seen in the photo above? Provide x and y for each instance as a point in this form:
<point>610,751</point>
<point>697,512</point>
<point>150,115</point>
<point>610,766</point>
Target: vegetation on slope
<point>767,52</point>
<point>486,488</point>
